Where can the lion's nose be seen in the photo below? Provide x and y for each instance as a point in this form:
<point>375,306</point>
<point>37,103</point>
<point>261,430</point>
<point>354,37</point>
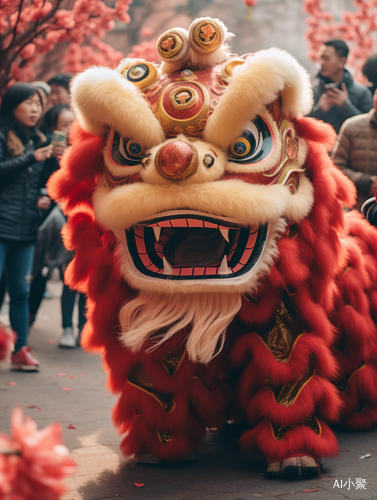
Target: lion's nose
<point>177,160</point>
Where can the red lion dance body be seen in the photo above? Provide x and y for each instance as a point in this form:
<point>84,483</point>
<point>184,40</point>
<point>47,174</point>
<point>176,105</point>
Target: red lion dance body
<point>223,279</point>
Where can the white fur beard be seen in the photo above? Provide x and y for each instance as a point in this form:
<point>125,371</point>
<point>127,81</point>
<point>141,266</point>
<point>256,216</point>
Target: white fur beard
<point>208,313</point>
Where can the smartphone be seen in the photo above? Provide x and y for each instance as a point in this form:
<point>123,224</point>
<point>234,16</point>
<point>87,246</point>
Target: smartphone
<point>331,86</point>
<point>58,137</point>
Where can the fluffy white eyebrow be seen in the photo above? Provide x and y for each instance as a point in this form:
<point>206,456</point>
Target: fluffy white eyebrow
<point>101,96</point>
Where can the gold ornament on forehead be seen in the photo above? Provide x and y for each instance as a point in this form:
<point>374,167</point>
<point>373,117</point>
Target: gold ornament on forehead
<point>206,36</point>
<point>183,98</point>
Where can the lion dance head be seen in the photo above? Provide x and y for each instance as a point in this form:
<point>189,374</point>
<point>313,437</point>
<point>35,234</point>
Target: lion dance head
<point>181,182</point>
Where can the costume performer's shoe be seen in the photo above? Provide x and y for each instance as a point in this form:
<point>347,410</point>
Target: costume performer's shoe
<point>292,467</point>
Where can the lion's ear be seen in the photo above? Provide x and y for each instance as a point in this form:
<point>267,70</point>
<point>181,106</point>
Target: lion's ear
<point>103,97</point>
<point>255,84</point>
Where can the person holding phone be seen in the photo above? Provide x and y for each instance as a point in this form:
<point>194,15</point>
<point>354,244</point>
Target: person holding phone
<point>22,175</point>
<point>355,152</point>
<point>336,95</point>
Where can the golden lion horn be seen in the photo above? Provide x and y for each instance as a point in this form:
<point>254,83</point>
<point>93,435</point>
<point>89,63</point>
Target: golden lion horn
<point>206,35</point>
<point>173,45</point>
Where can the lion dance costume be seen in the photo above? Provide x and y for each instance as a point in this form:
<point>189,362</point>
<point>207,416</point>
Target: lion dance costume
<point>223,280</point>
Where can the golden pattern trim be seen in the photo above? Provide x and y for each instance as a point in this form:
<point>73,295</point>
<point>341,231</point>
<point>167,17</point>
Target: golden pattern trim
<point>206,36</point>
<point>164,436</point>
<point>279,432</point>
<point>288,162</point>
<point>139,378</point>
<point>287,394</point>
<point>342,385</point>
<point>174,359</point>
<point>288,328</point>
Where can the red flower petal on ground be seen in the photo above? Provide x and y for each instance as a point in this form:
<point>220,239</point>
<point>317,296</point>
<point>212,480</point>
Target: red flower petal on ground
<point>72,376</point>
<point>50,341</point>
<point>39,463</point>
<point>61,374</point>
<point>70,426</point>
<point>139,485</point>
<point>12,383</point>
<point>32,406</point>
<point>66,388</point>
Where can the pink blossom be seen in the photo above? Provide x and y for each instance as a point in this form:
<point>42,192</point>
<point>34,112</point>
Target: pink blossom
<point>39,462</point>
<point>146,32</point>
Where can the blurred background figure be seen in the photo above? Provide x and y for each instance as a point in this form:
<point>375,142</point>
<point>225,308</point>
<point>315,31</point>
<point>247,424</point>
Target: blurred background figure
<point>60,89</point>
<point>22,174</point>
<point>44,90</point>
<point>336,95</point>
<point>50,252</point>
<point>355,152</point>
<point>370,72</point>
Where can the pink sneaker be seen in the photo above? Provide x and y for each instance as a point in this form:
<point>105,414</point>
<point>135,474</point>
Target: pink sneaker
<point>24,360</point>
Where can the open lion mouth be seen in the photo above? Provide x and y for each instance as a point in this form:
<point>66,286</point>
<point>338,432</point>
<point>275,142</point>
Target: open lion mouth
<point>186,244</point>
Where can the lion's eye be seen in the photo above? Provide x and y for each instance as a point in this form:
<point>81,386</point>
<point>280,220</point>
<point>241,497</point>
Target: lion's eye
<point>126,152</point>
<point>253,145</point>
<point>137,73</point>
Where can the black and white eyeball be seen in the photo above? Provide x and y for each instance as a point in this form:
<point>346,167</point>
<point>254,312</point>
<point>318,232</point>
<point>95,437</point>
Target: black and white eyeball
<point>125,152</point>
<point>253,145</point>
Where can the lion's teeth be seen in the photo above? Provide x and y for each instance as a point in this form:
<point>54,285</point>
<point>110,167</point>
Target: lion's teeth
<point>224,269</point>
<point>225,233</point>
<point>157,232</point>
<point>167,267</point>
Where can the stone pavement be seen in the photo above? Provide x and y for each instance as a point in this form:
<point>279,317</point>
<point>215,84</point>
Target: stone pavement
<point>222,471</point>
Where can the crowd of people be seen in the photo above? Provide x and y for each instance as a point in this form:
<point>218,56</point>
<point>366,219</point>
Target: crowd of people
<point>35,119</point>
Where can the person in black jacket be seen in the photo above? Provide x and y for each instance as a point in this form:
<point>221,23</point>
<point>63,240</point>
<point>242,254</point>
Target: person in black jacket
<point>22,174</point>
<point>336,95</point>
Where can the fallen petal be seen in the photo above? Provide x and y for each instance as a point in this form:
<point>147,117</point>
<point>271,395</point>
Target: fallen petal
<point>81,374</point>
<point>71,376</point>
<point>32,406</point>
<point>66,388</point>
<point>61,374</point>
<point>12,383</point>
<point>70,426</point>
<point>311,491</point>
<point>139,485</point>
<point>50,341</point>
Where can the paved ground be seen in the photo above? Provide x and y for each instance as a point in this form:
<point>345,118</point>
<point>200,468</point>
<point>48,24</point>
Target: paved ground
<point>221,472</point>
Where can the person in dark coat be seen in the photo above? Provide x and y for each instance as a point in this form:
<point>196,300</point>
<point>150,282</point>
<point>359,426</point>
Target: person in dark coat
<point>336,95</point>
<point>22,175</point>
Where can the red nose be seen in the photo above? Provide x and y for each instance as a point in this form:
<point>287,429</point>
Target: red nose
<point>177,160</point>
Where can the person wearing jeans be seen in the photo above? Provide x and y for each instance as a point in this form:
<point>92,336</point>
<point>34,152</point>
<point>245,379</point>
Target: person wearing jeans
<point>19,259</point>
<point>22,175</point>
<point>68,303</point>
